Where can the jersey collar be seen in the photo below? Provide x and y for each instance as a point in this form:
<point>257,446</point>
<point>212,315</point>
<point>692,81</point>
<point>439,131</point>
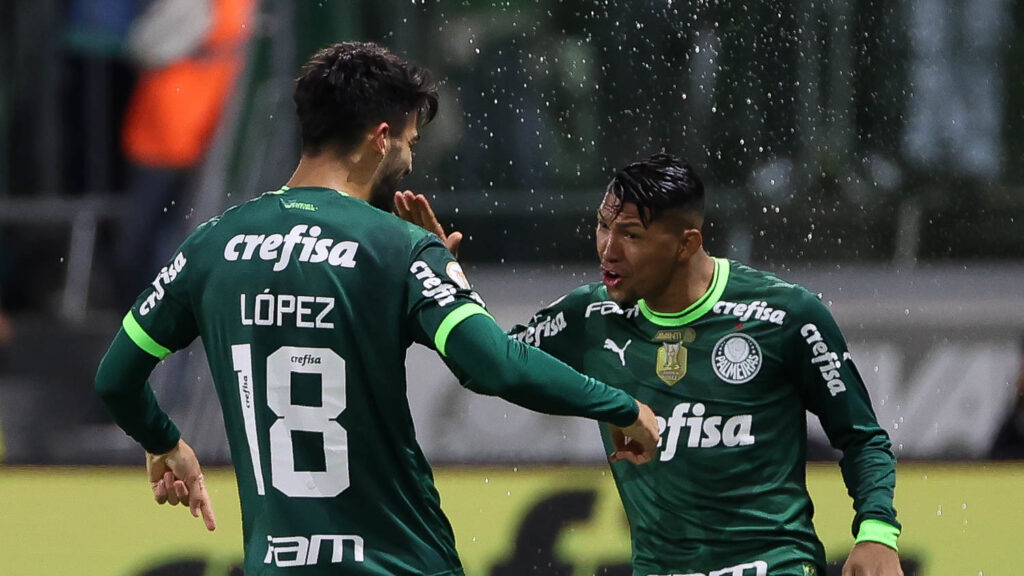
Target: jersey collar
<point>284,189</point>
<point>719,279</point>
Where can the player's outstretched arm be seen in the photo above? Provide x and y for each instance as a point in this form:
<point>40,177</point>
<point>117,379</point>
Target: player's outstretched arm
<point>415,208</point>
<point>177,478</point>
<point>487,361</point>
<point>872,559</point>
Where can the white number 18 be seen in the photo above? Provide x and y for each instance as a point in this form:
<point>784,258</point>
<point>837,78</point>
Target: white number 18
<point>286,361</point>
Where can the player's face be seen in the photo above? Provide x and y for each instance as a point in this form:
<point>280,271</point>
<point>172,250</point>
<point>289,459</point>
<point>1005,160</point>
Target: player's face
<point>396,164</point>
<point>636,261</point>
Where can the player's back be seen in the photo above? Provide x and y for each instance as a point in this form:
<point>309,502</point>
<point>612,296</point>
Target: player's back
<point>302,300</point>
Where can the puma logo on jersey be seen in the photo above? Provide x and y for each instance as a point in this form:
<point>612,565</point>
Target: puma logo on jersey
<point>708,431</point>
<point>824,359</point>
<point>279,248</point>
<point>286,551</point>
<point>610,345</point>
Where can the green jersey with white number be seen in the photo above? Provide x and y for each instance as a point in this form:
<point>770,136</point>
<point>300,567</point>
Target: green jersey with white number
<point>306,301</point>
<point>730,379</point>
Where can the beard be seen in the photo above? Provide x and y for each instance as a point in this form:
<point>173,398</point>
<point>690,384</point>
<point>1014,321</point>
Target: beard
<point>383,194</point>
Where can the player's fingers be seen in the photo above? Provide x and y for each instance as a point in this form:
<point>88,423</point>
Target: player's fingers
<point>452,243</point>
<point>181,492</point>
<point>403,206</point>
<point>426,215</point>
<point>200,503</point>
<point>160,491</point>
<point>626,455</point>
<point>400,209</point>
<point>172,495</point>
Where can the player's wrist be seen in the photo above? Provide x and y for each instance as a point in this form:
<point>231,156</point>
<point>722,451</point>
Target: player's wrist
<point>878,531</point>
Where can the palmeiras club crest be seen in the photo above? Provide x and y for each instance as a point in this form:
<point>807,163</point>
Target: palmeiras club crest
<point>736,358</point>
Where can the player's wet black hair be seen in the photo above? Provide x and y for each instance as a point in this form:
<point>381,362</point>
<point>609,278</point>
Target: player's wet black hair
<point>659,183</point>
<point>348,87</point>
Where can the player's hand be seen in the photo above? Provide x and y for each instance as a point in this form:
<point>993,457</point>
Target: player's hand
<point>177,479</point>
<point>637,442</point>
<point>415,208</point>
<point>872,559</point>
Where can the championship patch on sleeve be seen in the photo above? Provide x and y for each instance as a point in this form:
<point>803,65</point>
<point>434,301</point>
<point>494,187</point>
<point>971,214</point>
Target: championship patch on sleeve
<point>454,271</point>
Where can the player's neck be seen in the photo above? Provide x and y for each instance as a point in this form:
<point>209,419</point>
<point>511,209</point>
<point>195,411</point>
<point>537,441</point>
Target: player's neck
<point>327,170</point>
<point>689,285</point>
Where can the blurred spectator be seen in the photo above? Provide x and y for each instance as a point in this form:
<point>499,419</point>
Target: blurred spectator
<point>1009,442</point>
<point>191,53</point>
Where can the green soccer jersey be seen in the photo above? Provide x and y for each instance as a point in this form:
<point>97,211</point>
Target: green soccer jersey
<point>730,379</point>
<point>306,301</point>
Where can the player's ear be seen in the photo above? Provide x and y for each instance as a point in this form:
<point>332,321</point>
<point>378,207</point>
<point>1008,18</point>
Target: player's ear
<point>380,136</point>
<point>690,242</point>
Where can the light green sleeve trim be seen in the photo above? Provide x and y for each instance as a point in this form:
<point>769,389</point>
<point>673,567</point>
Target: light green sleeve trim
<point>141,339</point>
<point>878,531</point>
<point>453,319</point>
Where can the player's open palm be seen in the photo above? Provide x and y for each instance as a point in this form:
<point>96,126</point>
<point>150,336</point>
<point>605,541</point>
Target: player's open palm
<point>415,209</point>
<point>872,559</point>
<point>176,478</point>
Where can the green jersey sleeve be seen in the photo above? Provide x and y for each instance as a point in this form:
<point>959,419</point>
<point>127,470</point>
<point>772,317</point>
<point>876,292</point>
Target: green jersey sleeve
<point>438,295</point>
<point>160,322</point>
<point>558,328</point>
<point>833,389</point>
<point>489,362</point>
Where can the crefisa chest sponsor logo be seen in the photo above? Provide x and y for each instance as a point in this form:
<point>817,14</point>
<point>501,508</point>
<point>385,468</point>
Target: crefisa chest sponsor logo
<point>278,248</point>
<point>736,358</point>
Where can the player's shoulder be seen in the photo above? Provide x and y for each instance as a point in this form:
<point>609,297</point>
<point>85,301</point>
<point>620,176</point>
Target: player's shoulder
<point>743,277</point>
<point>588,300</point>
<point>749,283</point>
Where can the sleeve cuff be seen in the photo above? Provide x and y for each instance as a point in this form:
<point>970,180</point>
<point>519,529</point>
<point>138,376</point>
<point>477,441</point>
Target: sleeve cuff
<point>878,531</point>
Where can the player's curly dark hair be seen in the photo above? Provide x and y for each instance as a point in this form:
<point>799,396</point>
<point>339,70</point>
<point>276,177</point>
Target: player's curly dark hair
<point>658,183</point>
<point>348,87</point>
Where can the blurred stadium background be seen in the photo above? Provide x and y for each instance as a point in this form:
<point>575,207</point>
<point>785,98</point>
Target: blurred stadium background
<point>869,150</point>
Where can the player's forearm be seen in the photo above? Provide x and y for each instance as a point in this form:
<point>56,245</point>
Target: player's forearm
<point>489,362</point>
<point>869,471</point>
<point>121,384</point>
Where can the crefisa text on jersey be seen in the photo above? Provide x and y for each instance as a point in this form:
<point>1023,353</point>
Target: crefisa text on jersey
<point>758,310</point>
<point>268,309</point>
<point>278,248</point>
<point>166,275</point>
<point>705,430</point>
<point>825,359</point>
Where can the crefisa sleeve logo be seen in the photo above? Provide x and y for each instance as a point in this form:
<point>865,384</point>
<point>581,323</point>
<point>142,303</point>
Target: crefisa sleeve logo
<point>736,358</point>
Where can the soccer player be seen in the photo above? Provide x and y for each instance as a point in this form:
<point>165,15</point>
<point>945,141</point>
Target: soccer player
<point>730,358</point>
<point>306,299</point>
